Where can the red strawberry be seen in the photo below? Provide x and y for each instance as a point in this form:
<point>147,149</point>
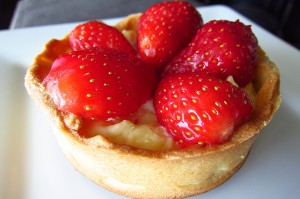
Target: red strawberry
<point>198,109</point>
<point>164,29</point>
<point>101,83</point>
<point>96,33</point>
<point>220,48</point>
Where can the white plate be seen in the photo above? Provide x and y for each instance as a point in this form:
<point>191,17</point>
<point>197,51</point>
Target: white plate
<point>33,167</point>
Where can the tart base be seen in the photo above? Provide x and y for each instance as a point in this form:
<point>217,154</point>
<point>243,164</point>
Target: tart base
<point>146,174</point>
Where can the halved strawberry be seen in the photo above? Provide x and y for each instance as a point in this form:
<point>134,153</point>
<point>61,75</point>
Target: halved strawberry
<point>96,33</point>
<point>101,83</point>
<point>220,48</point>
<point>164,29</point>
<point>198,109</point>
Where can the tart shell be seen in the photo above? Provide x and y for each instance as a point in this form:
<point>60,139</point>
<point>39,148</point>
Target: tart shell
<point>140,173</point>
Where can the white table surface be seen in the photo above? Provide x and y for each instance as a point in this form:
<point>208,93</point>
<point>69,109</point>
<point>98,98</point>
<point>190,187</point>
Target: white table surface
<point>32,165</point>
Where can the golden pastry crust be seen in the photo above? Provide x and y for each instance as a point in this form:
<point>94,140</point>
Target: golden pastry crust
<point>142,173</point>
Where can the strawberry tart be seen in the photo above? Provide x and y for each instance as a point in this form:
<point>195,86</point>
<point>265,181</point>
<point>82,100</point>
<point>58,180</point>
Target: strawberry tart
<point>161,105</point>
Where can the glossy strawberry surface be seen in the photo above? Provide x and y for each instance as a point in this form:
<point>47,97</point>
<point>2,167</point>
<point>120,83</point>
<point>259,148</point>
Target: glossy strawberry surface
<point>101,83</point>
<point>164,29</point>
<point>96,33</point>
<point>220,48</point>
<point>197,109</point>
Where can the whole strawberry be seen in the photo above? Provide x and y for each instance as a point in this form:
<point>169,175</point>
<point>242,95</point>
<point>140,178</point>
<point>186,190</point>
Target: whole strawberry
<point>101,83</point>
<point>164,29</point>
<point>220,48</point>
<point>96,33</point>
<point>198,109</point>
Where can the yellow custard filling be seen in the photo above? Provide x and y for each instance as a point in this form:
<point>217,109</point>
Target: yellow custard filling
<point>141,130</point>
